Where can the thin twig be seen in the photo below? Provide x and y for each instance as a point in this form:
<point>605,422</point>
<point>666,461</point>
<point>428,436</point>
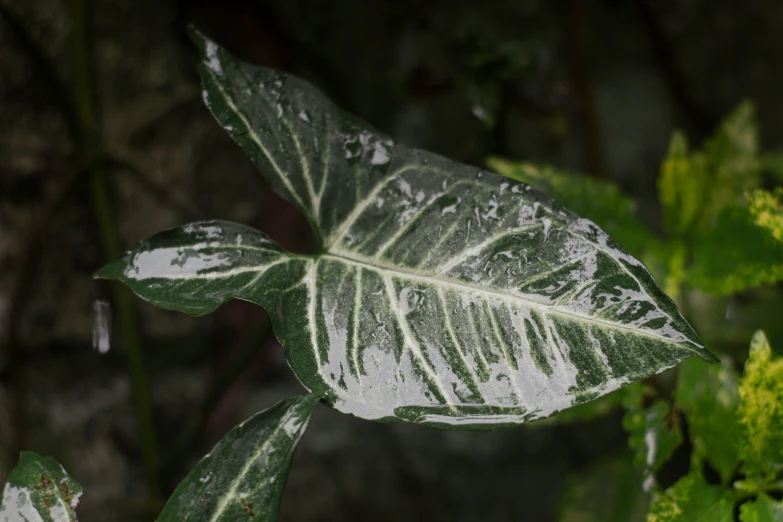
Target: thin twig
<point>576,22</point>
<point>87,108</point>
<point>672,73</point>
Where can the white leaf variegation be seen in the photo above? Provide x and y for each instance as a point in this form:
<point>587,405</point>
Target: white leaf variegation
<point>443,294</point>
<point>244,475</point>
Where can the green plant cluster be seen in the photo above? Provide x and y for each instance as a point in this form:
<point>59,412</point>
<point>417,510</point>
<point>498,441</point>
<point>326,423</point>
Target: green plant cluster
<point>724,236</point>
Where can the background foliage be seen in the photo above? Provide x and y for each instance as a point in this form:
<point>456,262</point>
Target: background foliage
<point>701,207</point>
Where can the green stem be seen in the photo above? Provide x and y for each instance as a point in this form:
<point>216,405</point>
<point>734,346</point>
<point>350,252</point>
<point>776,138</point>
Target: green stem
<point>129,332</point>
<point>87,110</point>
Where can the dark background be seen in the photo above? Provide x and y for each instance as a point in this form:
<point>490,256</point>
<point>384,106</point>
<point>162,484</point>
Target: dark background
<point>593,86</point>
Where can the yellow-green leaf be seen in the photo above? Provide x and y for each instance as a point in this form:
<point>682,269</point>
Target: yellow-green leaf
<point>761,412</point>
<point>763,509</point>
<point>696,187</point>
<point>691,499</point>
<point>767,210</point>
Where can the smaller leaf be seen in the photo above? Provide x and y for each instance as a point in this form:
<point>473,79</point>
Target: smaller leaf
<point>197,267</point>
<point>39,490</point>
<point>708,395</point>
<point>691,499</point>
<point>653,434</point>
<point>761,412</point>
<point>244,475</point>
<point>763,509</point>
<point>682,185</point>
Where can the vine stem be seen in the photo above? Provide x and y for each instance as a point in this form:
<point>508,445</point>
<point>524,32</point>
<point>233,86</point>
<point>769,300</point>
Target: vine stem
<point>87,110</point>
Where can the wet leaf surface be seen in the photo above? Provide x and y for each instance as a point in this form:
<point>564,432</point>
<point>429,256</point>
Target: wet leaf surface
<point>443,294</point>
<point>39,490</point>
<point>244,475</point>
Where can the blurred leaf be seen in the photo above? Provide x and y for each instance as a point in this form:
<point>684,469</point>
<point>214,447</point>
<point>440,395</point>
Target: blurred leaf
<point>595,199</point>
<point>244,475</point>
<point>653,433</point>
<point>608,491</point>
<point>691,499</point>
<point>708,395</point>
<point>735,255</point>
<point>39,490</point>
<point>761,412</point>
<point>696,187</point>
<point>766,208</point>
<point>763,509</point>
<point>682,185</point>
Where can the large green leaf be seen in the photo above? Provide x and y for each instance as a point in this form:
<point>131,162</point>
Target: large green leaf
<point>39,490</point>
<point>443,294</point>
<point>761,412</point>
<point>763,509</point>
<point>691,499</point>
<point>708,395</point>
<point>244,475</point>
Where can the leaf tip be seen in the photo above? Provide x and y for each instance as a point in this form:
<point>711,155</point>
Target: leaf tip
<point>759,345</point>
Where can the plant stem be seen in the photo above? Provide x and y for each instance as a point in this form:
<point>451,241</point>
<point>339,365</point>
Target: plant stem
<point>87,110</point>
<point>129,332</point>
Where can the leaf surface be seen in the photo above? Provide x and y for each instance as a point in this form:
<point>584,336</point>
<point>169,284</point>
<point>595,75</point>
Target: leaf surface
<point>691,499</point>
<point>443,294</point>
<point>244,475</point>
<point>763,509</point>
<point>695,187</point>
<point>39,490</point>
<point>761,412</point>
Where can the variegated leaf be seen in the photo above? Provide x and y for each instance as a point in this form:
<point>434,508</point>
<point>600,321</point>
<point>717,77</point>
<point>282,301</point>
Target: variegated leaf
<point>244,475</point>
<point>442,294</point>
<point>39,490</point>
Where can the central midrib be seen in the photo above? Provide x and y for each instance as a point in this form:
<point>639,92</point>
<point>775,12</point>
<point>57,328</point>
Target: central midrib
<point>415,275</point>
